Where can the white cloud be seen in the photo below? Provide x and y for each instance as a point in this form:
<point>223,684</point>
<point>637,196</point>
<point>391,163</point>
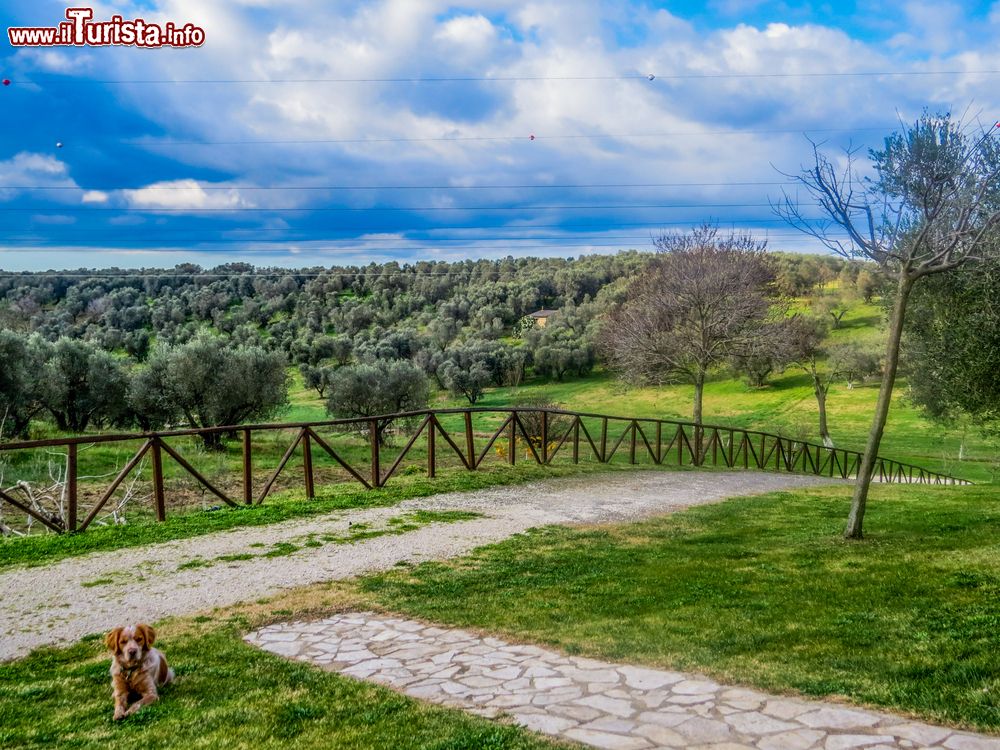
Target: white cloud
<point>184,194</point>
<point>935,27</point>
<point>472,34</point>
<point>32,170</point>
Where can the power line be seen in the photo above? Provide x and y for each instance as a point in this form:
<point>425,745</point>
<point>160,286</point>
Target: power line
<point>351,251</point>
<point>417,242</point>
<point>648,224</point>
<point>649,77</point>
<point>375,209</point>
<point>562,186</point>
<point>511,138</point>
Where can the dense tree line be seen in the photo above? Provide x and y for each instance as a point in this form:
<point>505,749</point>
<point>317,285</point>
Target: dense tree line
<point>150,348</point>
<point>209,381</point>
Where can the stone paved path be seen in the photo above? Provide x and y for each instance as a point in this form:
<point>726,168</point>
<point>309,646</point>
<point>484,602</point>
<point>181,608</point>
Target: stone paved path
<point>597,703</point>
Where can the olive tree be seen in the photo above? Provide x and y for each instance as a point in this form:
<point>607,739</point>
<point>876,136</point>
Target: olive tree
<point>20,392</point>
<point>211,383</point>
<point>81,385</point>
<point>928,209</point>
<point>804,347</point>
<point>952,346</point>
<point>383,387</point>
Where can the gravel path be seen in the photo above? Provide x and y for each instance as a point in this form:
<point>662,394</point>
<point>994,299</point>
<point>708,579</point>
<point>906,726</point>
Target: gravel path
<point>598,703</point>
<point>61,602</point>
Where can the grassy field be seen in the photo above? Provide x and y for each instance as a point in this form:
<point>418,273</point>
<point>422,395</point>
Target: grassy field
<point>786,406</point>
<point>758,591</point>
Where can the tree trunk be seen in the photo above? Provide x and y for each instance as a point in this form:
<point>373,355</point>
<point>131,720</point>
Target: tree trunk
<point>856,519</point>
<point>699,390</point>
<point>820,391</point>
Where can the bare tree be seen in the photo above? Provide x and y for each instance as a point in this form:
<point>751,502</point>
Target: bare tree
<point>928,209</point>
<point>704,299</point>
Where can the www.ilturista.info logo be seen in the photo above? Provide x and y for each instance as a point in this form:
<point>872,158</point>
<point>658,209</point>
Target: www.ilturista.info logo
<point>80,30</point>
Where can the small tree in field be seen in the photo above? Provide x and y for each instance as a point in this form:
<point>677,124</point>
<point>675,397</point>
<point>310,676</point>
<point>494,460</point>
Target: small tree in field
<point>383,387</point>
<point>704,299</point>
<point>804,340</point>
<point>853,361</point>
<point>930,208</point>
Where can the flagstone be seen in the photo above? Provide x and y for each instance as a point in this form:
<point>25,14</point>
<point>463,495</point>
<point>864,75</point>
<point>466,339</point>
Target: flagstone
<point>597,703</point>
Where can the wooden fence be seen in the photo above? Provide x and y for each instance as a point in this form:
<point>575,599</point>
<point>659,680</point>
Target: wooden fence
<point>552,432</point>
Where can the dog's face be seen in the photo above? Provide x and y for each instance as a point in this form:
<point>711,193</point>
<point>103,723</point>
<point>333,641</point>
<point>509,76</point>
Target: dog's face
<point>130,644</point>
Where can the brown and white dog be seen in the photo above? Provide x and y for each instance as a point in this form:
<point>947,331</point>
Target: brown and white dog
<point>136,667</point>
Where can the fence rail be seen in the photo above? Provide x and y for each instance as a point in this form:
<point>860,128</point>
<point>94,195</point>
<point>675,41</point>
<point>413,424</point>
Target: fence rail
<point>550,433</point>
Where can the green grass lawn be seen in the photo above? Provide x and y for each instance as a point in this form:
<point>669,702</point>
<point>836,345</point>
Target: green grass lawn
<point>227,695</point>
<point>759,591</point>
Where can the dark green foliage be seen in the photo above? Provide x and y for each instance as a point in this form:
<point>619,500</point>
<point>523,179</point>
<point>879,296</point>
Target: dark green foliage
<point>467,369</point>
<point>80,384</point>
<point>383,387</point>
<point>316,377</point>
<point>565,344</point>
<point>428,313</point>
<point>466,381</point>
<point>210,383</point>
<point>952,345</point>
<point>20,399</point>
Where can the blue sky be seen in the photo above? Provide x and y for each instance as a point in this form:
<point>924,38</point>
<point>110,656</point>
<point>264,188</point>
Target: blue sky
<point>289,138</point>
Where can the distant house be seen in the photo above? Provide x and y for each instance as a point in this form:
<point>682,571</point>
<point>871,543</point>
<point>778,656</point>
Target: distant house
<point>542,316</point>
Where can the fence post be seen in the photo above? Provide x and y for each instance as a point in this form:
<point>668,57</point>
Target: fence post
<point>659,441</point>
<point>545,438</point>
<point>604,440</point>
<point>247,469</point>
<point>512,440</point>
<point>430,448</point>
<point>469,444</point>
<point>71,490</point>
<point>631,448</point>
<point>158,501</point>
<point>576,441</point>
<point>376,469</point>
<point>307,464</point>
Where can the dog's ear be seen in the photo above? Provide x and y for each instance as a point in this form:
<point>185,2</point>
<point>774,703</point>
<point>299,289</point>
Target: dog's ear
<point>147,633</point>
<point>111,640</point>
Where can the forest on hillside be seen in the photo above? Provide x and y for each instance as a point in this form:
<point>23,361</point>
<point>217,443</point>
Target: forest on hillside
<point>146,348</point>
